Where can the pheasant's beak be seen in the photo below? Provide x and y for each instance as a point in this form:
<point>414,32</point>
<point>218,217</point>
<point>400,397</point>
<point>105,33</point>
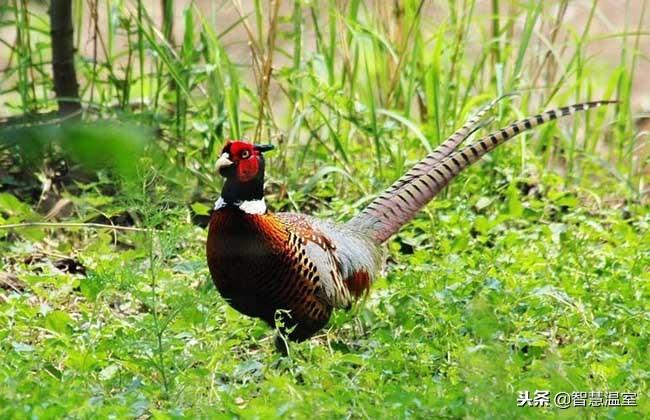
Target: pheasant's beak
<point>223,162</point>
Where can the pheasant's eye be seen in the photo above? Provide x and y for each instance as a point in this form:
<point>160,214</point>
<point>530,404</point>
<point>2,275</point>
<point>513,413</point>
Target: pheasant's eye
<point>245,154</point>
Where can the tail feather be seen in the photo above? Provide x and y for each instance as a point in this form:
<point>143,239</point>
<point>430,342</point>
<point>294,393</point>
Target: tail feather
<point>444,149</point>
<point>385,215</point>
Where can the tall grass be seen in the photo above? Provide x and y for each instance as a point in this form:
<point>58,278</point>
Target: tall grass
<point>339,83</point>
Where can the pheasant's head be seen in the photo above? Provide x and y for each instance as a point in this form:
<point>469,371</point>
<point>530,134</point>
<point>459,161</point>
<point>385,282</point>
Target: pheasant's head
<point>242,164</point>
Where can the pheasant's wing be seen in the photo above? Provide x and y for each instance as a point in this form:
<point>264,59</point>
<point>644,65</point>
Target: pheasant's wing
<point>346,262</point>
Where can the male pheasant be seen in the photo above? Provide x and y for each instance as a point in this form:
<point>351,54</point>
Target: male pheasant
<point>262,262</point>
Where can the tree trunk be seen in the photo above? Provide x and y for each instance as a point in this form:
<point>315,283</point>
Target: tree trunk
<point>65,78</point>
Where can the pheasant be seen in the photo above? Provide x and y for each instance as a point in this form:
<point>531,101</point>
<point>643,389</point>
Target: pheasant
<point>296,268</point>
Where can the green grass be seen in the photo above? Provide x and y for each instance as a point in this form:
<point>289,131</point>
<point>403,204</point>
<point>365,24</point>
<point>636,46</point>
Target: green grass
<point>526,293</point>
<point>528,273</point>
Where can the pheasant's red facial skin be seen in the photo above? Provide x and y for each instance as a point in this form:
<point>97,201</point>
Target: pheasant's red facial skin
<point>245,158</point>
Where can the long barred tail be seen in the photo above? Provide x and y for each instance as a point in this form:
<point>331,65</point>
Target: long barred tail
<point>385,215</point>
<point>444,149</point>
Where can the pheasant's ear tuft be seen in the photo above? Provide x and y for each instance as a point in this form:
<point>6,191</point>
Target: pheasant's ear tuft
<point>226,147</point>
<point>264,147</point>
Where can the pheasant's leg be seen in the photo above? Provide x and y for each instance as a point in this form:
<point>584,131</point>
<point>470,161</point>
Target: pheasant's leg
<point>281,345</point>
<point>298,326</point>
